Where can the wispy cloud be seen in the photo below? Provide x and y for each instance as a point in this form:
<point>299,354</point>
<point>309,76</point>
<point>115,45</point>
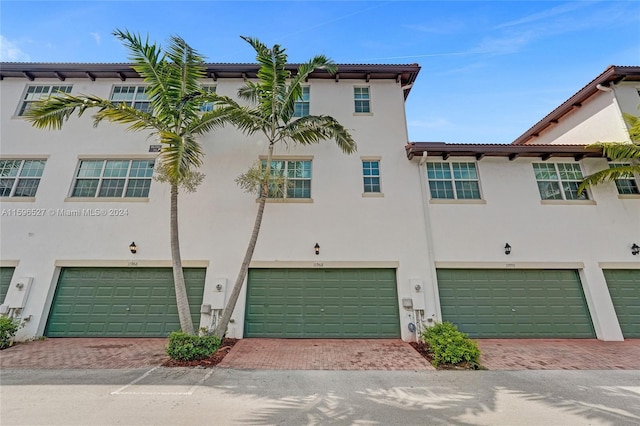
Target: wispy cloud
<point>10,52</point>
<point>544,15</point>
<point>96,37</point>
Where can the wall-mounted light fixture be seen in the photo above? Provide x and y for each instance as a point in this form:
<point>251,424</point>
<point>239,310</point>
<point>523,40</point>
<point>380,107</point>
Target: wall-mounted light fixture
<point>317,248</point>
<point>635,249</point>
<point>219,287</point>
<point>133,247</point>
<point>507,249</point>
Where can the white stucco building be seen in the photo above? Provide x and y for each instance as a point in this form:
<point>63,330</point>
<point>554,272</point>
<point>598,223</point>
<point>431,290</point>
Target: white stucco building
<point>514,250</point>
<point>408,233</point>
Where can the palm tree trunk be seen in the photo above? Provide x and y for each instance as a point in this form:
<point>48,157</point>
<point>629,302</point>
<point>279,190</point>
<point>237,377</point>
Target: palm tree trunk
<point>184,313</point>
<point>221,328</point>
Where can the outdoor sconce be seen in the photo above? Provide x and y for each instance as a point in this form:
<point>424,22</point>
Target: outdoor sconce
<point>133,247</point>
<point>219,287</point>
<point>317,248</point>
<point>635,249</point>
<point>507,249</point>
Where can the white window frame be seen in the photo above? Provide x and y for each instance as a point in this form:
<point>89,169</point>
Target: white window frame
<point>286,196</point>
<point>454,181</point>
<point>208,106</point>
<point>368,188</point>
<point>634,179</point>
<point>23,174</point>
<point>363,100</point>
<point>36,92</point>
<point>560,181</point>
<point>302,102</point>
<point>101,179</point>
<point>134,102</point>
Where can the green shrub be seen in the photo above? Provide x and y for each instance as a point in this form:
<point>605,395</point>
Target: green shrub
<point>448,345</point>
<point>187,347</point>
<point>8,329</point>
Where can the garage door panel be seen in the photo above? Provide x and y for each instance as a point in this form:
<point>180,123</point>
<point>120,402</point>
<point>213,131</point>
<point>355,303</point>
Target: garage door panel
<point>515,303</point>
<point>120,302</point>
<point>624,288</point>
<point>328,303</point>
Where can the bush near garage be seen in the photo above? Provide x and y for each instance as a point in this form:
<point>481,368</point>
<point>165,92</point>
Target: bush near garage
<point>8,329</point>
<point>187,347</point>
<point>448,345</point>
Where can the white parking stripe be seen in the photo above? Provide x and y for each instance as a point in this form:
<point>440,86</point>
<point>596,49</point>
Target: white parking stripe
<point>189,392</point>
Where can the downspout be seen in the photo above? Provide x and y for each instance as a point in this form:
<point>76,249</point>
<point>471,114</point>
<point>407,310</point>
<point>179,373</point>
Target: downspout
<point>435,314</point>
<point>611,88</point>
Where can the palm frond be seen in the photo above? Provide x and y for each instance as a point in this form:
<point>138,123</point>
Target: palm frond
<point>148,59</point>
<point>634,126</point>
<point>52,112</point>
<point>315,128</point>
<point>609,175</point>
<point>295,86</point>
<point>125,114</point>
<point>180,155</point>
<point>618,150</point>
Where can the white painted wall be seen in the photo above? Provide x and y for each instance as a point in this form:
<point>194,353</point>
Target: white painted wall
<point>216,221</point>
<point>560,235</point>
<point>598,120</point>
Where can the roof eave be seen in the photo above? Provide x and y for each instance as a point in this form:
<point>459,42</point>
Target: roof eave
<point>479,151</point>
<point>612,75</point>
<point>404,75</point>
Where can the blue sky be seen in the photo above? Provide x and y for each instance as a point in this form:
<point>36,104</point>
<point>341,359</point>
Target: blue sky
<point>490,70</point>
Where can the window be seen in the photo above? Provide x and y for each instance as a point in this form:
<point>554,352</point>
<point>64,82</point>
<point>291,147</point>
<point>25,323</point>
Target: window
<point>626,185</point>
<point>38,92</point>
<point>133,96</point>
<point>371,175</point>
<point>362,99</point>
<point>113,178</point>
<point>208,106</point>
<point>559,181</point>
<point>291,179</point>
<point>20,178</point>
<point>453,181</point>
<point>301,106</point>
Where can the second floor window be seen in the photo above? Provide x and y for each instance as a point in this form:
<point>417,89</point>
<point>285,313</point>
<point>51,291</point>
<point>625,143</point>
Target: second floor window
<point>362,99</point>
<point>371,175</point>
<point>133,96</point>
<point>113,178</point>
<point>559,181</point>
<point>627,185</point>
<point>291,179</point>
<point>208,106</point>
<point>38,92</point>
<point>301,106</point>
<point>20,178</point>
<point>453,181</point>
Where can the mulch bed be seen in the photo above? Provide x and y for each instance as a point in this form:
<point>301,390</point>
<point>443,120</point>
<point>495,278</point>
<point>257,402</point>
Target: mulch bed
<point>212,361</point>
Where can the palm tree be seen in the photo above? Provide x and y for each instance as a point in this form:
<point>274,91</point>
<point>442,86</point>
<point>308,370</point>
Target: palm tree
<point>172,77</point>
<point>618,151</point>
<point>273,97</point>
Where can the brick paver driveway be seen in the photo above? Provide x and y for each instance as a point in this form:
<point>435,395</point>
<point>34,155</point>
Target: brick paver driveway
<point>86,353</point>
<point>326,354</point>
<point>559,354</point>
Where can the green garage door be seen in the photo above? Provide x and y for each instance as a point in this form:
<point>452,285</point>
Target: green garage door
<point>5,279</point>
<point>120,302</point>
<point>312,303</point>
<point>515,303</point>
<point>624,287</point>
